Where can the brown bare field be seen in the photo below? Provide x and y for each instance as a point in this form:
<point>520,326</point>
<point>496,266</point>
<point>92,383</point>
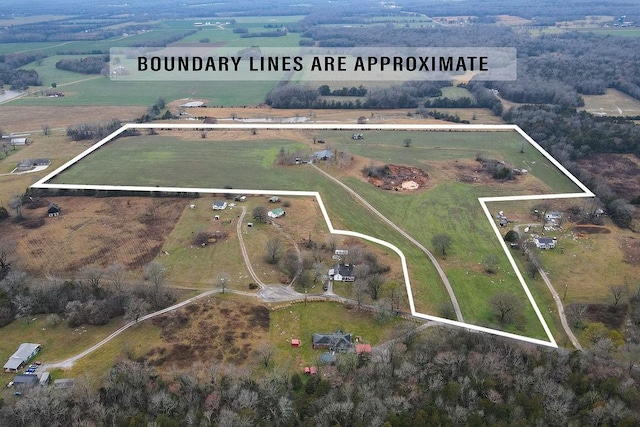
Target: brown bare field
<point>612,103</point>
<point>31,119</point>
<point>94,231</point>
<point>223,330</point>
<point>589,263</point>
<point>274,115</point>
<point>619,171</point>
<point>512,20</point>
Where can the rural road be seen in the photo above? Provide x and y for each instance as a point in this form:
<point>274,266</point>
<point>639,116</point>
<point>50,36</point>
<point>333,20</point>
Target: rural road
<point>561,313</point>
<point>556,297</point>
<point>420,246</point>
<point>243,249</point>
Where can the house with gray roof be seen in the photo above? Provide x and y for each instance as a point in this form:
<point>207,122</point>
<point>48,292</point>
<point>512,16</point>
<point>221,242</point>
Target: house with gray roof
<point>20,358</point>
<point>337,341</point>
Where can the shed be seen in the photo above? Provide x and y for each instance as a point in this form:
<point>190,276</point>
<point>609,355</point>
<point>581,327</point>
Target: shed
<point>295,342</point>
<point>20,358</point>
<point>64,383</point>
<point>53,210</point>
<point>18,141</point>
<point>363,348</point>
<point>276,213</point>
<point>313,370</point>
<point>44,378</point>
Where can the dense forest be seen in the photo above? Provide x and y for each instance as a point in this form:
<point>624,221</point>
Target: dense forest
<point>445,377</point>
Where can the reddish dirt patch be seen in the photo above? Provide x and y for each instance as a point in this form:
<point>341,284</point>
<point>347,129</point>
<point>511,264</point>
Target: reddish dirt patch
<point>398,178</point>
<point>219,330</point>
<point>619,171</point>
<point>590,229</point>
<point>94,231</point>
<point>631,249</point>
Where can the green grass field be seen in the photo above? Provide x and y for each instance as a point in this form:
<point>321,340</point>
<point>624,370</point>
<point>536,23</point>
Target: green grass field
<point>301,321</point>
<point>426,146</point>
<point>102,91</point>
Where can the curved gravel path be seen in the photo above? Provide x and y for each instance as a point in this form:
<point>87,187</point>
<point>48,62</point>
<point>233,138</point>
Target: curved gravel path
<point>420,246</point>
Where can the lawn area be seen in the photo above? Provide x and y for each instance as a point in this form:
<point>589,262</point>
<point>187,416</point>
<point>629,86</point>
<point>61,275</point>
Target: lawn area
<point>211,163</point>
<point>200,267</point>
<point>455,92</point>
<point>59,341</point>
<point>301,321</point>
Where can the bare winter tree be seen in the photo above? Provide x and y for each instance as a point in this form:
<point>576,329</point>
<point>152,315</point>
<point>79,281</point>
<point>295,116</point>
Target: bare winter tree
<point>155,272</point>
<point>265,352</point>
<point>91,275</point>
<point>618,291</point>
<point>374,285</point>
<point>116,274</point>
<point>223,282</point>
<point>135,309</point>
<point>7,255</point>
<point>259,214</point>
<point>506,306</point>
<point>16,204</point>
<point>273,249</point>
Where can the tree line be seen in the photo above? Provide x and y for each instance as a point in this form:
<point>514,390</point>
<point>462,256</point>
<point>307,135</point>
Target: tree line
<point>445,377</point>
<point>87,65</point>
<point>94,297</point>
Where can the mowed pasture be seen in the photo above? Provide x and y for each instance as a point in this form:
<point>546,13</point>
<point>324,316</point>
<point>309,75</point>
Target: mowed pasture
<point>612,103</point>
<point>449,206</point>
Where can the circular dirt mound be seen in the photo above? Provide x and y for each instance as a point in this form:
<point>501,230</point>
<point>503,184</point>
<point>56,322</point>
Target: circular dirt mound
<point>398,178</point>
<point>591,229</point>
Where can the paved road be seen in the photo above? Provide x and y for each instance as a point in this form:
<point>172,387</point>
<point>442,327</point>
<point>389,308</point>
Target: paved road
<point>420,246</point>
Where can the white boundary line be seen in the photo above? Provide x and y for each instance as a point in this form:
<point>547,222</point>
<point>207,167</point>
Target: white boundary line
<point>42,183</point>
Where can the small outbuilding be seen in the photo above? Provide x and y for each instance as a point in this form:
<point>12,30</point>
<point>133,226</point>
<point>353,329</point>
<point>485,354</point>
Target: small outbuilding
<point>53,210</point>
<point>295,342</point>
<point>219,205</point>
<point>276,213</point>
<point>363,348</point>
<point>64,383</point>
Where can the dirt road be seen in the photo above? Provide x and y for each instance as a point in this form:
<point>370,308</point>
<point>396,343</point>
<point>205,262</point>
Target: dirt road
<point>420,246</point>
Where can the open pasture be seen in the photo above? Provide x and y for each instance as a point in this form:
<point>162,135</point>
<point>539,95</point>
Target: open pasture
<point>449,206</point>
